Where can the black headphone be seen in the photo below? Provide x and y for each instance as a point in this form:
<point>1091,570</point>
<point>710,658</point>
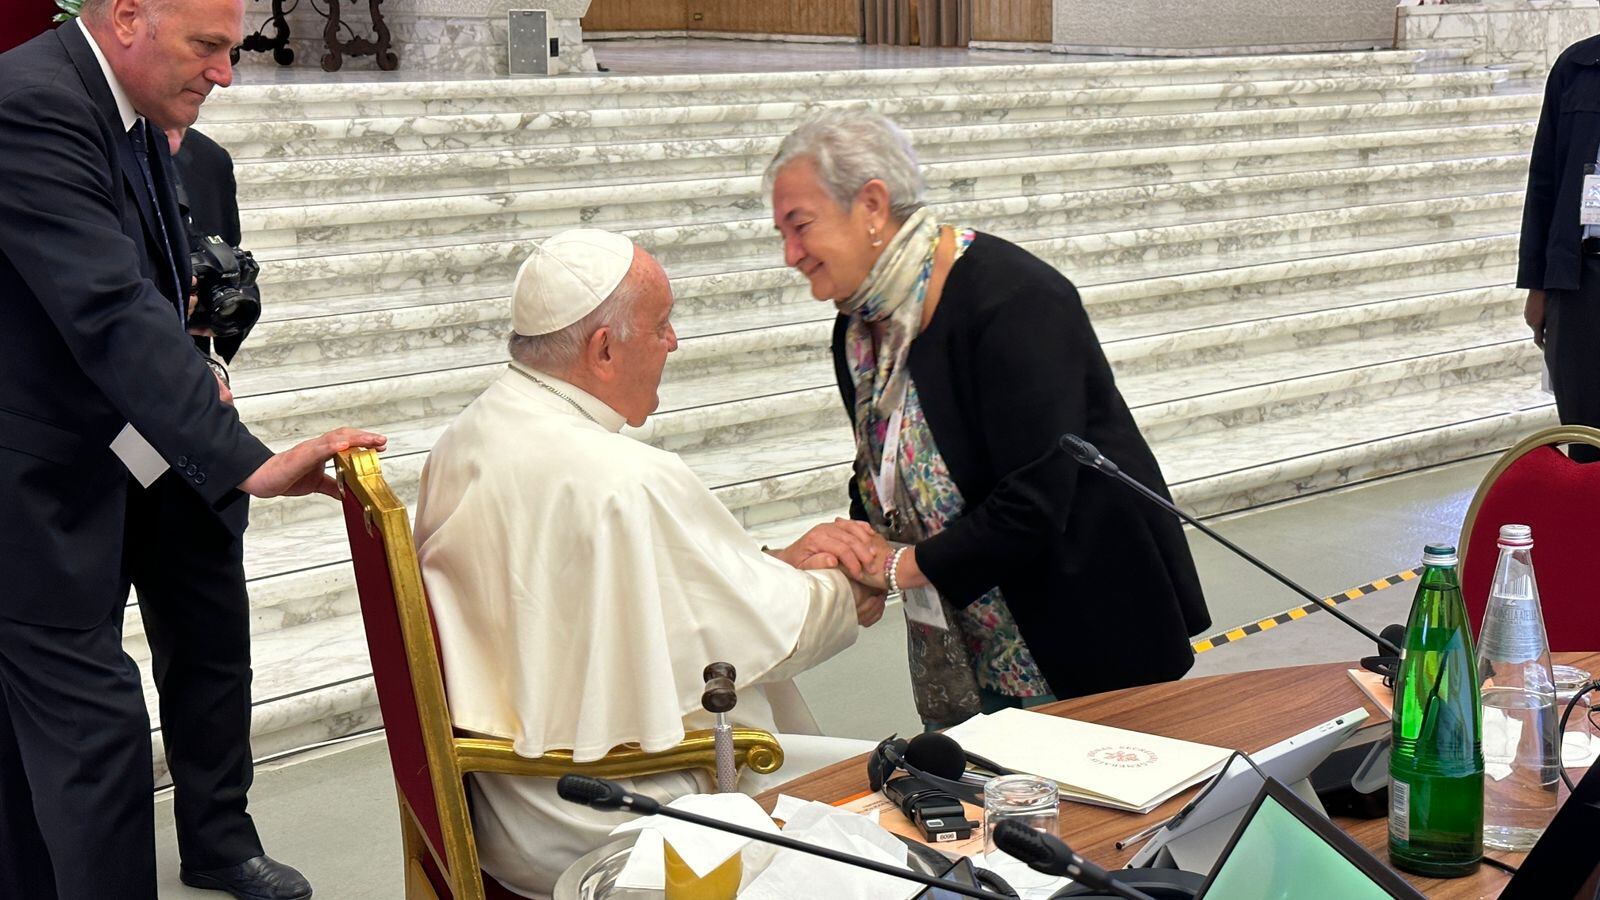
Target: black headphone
<point>936,759</point>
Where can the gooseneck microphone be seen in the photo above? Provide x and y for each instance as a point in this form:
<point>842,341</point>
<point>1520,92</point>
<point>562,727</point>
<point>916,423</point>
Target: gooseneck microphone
<point>1087,454</point>
<point>1049,854</point>
<point>602,794</point>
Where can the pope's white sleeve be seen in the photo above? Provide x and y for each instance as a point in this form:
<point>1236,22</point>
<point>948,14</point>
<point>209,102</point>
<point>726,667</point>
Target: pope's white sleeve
<point>830,624</point>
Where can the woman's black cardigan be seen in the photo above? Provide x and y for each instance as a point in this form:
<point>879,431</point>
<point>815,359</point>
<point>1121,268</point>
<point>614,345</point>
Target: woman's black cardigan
<point>1100,581</point>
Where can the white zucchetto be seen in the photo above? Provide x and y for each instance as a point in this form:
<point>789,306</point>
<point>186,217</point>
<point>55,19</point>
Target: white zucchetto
<point>567,277</point>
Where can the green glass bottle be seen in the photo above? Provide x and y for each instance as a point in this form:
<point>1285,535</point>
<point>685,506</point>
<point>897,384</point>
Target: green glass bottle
<point>1436,764</point>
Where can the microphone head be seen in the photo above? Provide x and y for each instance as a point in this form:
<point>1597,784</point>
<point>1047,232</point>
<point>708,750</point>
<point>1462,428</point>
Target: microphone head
<point>1024,844</point>
<point>1080,449</point>
<point>937,754</point>
<point>1394,634</point>
<point>596,792</point>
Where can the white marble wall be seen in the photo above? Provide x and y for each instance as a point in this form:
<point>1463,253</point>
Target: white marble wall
<point>1501,31</point>
<point>1186,28</point>
<point>444,37</point>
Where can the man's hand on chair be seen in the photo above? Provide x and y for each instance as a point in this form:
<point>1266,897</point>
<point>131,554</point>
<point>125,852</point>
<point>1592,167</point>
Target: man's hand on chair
<point>298,470</point>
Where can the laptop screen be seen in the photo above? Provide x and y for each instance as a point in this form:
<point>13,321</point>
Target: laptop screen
<point>1278,855</point>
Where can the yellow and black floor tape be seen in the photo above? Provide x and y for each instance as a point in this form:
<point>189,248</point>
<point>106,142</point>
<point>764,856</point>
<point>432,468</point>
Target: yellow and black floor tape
<point>1371,587</point>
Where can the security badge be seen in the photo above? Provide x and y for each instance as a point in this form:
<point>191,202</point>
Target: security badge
<point>1589,200</point>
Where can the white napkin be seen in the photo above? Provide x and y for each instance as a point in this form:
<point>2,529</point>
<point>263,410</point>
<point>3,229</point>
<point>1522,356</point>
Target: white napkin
<point>793,874</point>
<point>1501,735</point>
<point>702,849</point>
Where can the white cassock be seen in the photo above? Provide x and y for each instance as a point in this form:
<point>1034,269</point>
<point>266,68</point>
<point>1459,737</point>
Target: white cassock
<point>581,581</point>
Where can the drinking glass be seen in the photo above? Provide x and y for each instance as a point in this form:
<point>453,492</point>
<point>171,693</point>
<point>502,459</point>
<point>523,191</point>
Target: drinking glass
<point>1578,743</point>
<point>1028,799</point>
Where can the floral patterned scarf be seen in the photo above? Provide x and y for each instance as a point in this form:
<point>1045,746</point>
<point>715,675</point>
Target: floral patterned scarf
<point>982,647</point>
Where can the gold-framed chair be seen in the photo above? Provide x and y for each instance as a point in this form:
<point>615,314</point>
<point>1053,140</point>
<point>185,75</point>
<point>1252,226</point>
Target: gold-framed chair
<point>1535,484</point>
<point>430,760</point>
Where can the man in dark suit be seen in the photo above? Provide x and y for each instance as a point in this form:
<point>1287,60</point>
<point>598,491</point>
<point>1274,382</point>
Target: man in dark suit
<point>187,568</point>
<point>101,392</point>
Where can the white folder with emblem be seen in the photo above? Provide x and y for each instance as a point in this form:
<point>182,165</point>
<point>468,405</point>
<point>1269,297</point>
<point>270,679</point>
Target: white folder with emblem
<point>1098,764</point>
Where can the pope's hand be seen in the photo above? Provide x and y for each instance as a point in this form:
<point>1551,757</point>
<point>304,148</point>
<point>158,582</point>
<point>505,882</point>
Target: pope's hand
<point>841,544</point>
<point>298,470</point>
<point>869,604</point>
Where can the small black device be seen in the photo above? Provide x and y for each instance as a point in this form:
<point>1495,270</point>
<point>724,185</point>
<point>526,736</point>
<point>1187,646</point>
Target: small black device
<point>227,300</point>
<point>937,813</point>
<point>963,872</point>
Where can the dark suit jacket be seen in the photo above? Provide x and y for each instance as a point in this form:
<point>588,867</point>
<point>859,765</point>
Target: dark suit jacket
<point>206,172</point>
<point>1100,582</point>
<point>90,340</point>
<point>1567,140</point>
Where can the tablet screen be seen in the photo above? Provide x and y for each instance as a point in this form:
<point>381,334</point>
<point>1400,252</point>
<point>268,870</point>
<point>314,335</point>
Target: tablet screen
<point>1276,856</point>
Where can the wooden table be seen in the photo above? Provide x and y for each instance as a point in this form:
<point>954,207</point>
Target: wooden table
<point>1248,711</point>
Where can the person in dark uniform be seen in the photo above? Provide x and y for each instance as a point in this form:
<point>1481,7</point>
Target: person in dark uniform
<point>1559,261</point>
<point>962,359</point>
<point>188,574</point>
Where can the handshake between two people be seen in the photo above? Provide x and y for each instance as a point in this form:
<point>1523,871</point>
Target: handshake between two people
<point>858,551</point>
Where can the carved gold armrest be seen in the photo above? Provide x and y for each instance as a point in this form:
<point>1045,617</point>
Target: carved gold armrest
<point>752,748</point>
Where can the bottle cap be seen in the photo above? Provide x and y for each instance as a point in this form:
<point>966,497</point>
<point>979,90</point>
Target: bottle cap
<point>1439,555</point>
<point>1516,536</point>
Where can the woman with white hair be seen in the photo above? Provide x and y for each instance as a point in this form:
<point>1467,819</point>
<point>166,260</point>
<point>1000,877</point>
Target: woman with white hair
<point>962,359</point>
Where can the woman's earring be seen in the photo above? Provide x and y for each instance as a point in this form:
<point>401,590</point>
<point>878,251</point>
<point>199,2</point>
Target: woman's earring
<point>872,232</point>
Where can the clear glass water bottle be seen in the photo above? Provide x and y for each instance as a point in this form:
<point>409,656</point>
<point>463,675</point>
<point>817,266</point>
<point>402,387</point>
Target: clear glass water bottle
<point>1520,720</point>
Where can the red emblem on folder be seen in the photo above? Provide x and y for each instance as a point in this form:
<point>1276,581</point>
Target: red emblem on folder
<point>1122,757</point>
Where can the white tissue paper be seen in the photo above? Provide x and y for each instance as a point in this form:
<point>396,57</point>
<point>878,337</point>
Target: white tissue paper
<point>1501,735</point>
<point>702,849</point>
<point>792,874</point>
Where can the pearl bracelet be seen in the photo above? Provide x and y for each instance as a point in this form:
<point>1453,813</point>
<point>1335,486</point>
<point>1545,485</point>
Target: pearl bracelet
<point>891,573</point>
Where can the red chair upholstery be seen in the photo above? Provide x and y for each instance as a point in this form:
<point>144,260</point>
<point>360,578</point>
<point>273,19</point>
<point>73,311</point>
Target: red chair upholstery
<point>1535,484</point>
<point>429,759</point>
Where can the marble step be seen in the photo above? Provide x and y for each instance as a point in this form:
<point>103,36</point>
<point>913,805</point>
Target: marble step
<point>309,331</point>
<point>703,267</point>
<point>300,401</point>
<point>312,683</point>
<point>246,102</point>
<point>961,191</point>
<point>295,577</point>
<point>309,139</point>
<point>1277,460</point>
<point>320,687</point>
<point>1198,362</point>
<point>1062,213</point>
<point>774,477</point>
<point>290,327</point>
<point>541,164</point>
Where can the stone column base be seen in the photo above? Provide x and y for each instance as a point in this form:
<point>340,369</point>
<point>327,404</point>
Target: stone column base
<point>1498,32</point>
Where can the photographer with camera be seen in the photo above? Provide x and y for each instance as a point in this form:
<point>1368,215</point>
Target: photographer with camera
<point>188,572</point>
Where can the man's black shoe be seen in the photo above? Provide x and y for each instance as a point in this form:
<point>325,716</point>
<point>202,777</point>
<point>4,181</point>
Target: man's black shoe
<point>262,878</point>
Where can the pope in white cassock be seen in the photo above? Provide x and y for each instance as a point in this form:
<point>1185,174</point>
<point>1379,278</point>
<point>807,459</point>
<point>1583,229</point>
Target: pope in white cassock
<point>581,580</point>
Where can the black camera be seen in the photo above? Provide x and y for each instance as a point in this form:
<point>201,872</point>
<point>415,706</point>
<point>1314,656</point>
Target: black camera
<point>228,301</point>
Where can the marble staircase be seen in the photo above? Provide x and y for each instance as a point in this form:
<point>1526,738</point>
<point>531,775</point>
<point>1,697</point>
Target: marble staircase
<point>1300,267</point>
